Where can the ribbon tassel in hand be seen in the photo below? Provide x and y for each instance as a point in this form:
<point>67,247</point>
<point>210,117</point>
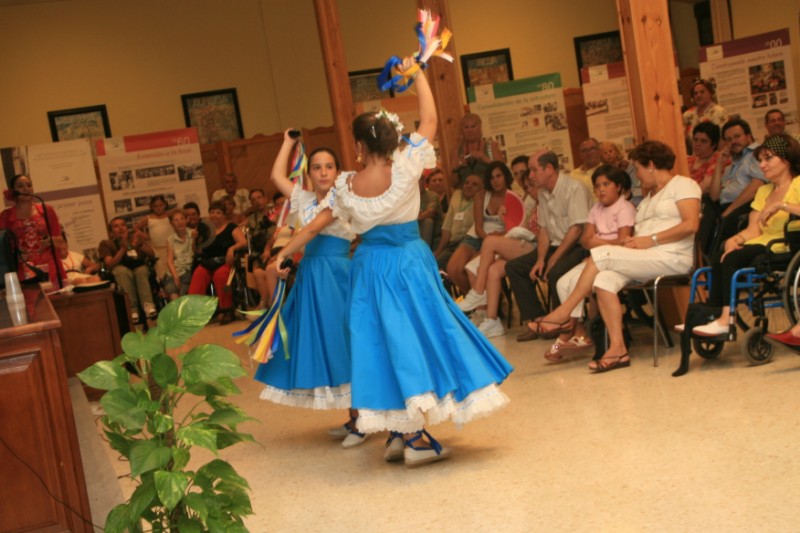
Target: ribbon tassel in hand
<point>430,45</point>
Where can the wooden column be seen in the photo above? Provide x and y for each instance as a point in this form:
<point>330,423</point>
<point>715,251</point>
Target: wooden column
<point>336,74</point>
<point>652,76</point>
<point>446,91</point>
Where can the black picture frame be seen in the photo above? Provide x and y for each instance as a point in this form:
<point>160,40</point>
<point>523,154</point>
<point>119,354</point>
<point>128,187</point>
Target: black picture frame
<point>90,122</point>
<point>215,114</point>
<point>598,49</point>
<point>364,85</point>
<point>489,67</point>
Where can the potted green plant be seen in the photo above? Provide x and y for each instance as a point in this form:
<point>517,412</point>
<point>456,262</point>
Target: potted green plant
<point>141,423</point>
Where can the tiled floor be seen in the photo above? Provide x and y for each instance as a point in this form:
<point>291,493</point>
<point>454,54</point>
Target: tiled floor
<point>631,450</point>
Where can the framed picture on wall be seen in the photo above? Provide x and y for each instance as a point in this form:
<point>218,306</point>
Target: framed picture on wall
<point>79,123</point>
<point>598,49</point>
<point>486,68</point>
<point>364,86</point>
<point>215,114</point>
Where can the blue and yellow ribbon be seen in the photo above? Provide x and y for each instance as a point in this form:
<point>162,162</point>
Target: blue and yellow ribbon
<point>262,332</point>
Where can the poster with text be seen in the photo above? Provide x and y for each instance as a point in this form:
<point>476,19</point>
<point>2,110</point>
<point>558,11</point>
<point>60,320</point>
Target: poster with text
<point>608,104</point>
<point>63,175</point>
<point>137,167</point>
<point>524,116</point>
<point>753,75</point>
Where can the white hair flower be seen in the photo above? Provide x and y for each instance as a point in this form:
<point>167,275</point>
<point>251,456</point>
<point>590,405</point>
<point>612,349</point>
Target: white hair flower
<point>393,118</point>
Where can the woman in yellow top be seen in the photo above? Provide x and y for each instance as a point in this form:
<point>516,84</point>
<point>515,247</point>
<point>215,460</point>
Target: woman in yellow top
<point>779,159</point>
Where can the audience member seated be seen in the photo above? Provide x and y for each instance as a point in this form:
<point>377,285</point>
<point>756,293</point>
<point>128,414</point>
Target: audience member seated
<point>474,152</point>
<point>663,244</point>
<point>200,230</point>
<point>488,209</point>
<point>259,226</point>
<point>180,256</point>
<point>779,159</point>
<point>216,260</point>
<point>126,254</point>
<point>703,161</point>
<point>33,228</point>
<point>78,268</point>
<point>736,180</point>
<point>458,221</point>
<point>156,225</point>
<point>486,282</point>
<point>563,206</point>
<point>430,216</point>
<point>434,181</point>
<point>230,216</point>
<point>590,160</point>
<point>611,154</point>
<point>230,187</point>
<point>775,123</point>
<point>610,221</point>
<point>705,109</point>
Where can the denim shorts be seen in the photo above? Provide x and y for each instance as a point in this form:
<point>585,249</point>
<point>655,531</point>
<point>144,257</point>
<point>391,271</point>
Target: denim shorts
<point>472,242</point>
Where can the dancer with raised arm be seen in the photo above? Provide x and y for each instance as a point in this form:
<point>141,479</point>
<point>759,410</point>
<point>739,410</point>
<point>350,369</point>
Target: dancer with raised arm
<point>312,369</point>
<point>417,360</point>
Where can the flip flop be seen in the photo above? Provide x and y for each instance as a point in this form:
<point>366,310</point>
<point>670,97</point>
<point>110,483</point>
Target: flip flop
<point>617,362</point>
<point>536,329</point>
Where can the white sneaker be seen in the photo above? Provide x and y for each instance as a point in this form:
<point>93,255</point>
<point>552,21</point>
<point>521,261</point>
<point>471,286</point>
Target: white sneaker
<point>135,317</point>
<point>472,300</point>
<point>150,310</point>
<point>712,329</point>
<point>679,328</point>
<point>492,327</point>
<point>339,432</point>
<point>394,448</point>
<point>353,439</point>
<point>477,317</point>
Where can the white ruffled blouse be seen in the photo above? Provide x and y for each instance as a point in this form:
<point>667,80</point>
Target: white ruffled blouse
<point>305,206</point>
<point>397,204</point>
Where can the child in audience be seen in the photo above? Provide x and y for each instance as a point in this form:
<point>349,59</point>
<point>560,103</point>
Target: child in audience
<point>179,257</point>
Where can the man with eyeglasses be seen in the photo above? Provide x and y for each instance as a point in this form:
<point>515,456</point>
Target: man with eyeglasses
<point>735,182</point>
<point>590,156</point>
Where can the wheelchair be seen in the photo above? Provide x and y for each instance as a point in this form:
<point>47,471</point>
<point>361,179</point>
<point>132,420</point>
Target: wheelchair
<point>763,299</point>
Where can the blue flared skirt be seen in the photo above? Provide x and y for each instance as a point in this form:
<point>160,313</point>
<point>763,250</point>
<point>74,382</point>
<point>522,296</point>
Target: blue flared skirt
<point>317,372</point>
<point>417,359</point>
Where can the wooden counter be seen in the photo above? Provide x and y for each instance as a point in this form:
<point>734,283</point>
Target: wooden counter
<point>40,462</point>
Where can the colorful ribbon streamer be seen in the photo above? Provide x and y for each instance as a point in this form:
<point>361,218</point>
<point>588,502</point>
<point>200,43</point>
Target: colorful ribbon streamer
<point>299,164</point>
<point>261,332</point>
<point>430,45</point>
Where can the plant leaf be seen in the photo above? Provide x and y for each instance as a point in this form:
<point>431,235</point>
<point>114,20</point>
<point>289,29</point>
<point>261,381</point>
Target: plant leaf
<point>228,417</point>
<point>184,317</point>
<point>161,423</point>
<point>221,387</point>
<point>227,438</point>
<point>189,525</point>
<point>180,458</point>
<point>136,344</point>
<point>147,455</point>
<point>196,503</point>
<point>238,500</point>
<point>208,362</point>
<point>105,375</point>
<point>219,469</point>
<point>164,370</point>
<point>117,520</point>
<point>193,435</point>
<point>144,497</point>
<point>119,443</point>
<point>170,487</point>
<point>121,406</point>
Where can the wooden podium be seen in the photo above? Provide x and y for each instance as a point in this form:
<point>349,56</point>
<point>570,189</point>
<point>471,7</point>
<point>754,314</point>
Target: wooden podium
<point>42,486</point>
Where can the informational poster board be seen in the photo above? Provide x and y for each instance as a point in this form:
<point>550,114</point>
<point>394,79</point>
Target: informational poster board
<point>137,167</point>
<point>608,104</point>
<point>753,75</point>
<point>63,176</point>
<point>524,116</point>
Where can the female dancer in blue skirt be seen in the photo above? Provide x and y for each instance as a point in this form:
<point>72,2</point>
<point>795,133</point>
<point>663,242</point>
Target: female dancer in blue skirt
<point>417,359</point>
<point>317,372</point>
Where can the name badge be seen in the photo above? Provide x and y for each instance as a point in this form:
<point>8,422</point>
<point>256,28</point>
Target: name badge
<point>459,216</point>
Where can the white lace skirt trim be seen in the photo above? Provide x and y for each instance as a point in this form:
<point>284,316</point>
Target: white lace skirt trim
<point>427,410</point>
<point>319,398</point>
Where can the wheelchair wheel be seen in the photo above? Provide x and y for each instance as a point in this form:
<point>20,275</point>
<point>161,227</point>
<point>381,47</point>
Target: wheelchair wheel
<point>791,289</point>
<point>778,318</point>
<point>754,348</point>
<point>707,349</point>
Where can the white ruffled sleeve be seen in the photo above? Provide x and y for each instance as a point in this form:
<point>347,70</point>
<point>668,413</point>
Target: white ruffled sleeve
<point>342,202</point>
<point>296,198</point>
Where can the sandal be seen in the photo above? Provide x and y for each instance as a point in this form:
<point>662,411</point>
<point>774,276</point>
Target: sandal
<point>539,332</point>
<point>616,361</point>
<point>554,354</point>
<point>419,455</point>
<point>576,343</point>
